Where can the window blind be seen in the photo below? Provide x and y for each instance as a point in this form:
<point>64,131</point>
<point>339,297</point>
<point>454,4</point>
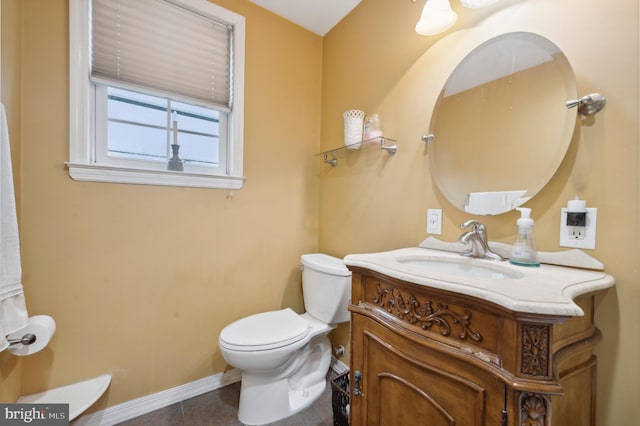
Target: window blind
<point>161,46</point>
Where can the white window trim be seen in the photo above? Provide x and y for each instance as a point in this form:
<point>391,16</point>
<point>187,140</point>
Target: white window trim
<point>82,165</point>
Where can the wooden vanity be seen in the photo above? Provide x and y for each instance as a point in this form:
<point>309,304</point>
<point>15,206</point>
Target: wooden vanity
<point>422,355</point>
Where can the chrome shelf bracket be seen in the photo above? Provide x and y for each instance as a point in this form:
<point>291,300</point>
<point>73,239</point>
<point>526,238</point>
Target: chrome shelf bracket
<point>391,149</point>
<point>333,160</point>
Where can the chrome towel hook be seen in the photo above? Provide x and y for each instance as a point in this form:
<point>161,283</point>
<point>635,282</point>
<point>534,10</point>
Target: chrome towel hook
<point>588,105</point>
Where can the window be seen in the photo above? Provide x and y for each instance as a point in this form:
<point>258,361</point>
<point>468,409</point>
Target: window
<point>136,129</point>
<point>160,72</point>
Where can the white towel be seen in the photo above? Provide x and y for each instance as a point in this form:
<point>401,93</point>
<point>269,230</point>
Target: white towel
<point>13,310</point>
<point>496,202</point>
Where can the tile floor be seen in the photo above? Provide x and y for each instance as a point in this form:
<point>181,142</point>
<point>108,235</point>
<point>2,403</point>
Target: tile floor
<point>220,407</point>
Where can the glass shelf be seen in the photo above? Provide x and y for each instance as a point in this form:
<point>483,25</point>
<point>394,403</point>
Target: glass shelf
<point>385,143</point>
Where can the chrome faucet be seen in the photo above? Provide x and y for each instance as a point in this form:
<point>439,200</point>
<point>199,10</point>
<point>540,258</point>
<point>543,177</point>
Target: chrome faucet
<point>477,237</point>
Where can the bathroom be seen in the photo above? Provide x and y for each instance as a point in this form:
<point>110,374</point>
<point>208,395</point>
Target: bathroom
<point>141,279</point>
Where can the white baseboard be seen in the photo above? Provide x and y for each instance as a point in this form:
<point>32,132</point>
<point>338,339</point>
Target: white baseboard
<point>146,404</point>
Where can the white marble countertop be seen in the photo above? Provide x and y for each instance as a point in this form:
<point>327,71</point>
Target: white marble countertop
<point>548,289</point>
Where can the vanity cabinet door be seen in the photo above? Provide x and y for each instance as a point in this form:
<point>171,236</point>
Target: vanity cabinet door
<point>405,383</point>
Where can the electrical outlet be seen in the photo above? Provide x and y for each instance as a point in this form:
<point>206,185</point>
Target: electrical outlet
<point>576,232</point>
<point>576,236</point>
<point>434,221</point>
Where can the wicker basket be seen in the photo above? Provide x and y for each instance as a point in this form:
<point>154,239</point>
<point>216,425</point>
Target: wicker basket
<point>340,399</point>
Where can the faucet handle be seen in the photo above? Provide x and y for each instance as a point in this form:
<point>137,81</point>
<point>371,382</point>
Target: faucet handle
<point>477,226</point>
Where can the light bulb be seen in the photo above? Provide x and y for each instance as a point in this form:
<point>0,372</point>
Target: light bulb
<point>437,16</point>
<point>476,4</point>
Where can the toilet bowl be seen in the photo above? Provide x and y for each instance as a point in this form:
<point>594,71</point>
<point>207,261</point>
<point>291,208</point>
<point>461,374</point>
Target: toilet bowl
<point>284,356</point>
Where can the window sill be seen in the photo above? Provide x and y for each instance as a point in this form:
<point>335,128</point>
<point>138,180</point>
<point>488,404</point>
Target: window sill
<point>111,174</point>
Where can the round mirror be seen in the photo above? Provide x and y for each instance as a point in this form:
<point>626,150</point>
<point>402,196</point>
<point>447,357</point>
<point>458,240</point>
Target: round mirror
<point>500,125</point>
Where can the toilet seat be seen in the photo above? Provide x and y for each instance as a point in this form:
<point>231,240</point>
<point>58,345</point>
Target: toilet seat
<point>264,331</point>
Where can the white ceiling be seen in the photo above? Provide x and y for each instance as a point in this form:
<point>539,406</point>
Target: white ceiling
<point>318,16</point>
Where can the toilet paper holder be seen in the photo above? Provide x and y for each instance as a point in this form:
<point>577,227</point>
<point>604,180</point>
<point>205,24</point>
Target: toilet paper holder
<point>27,339</point>
<point>32,337</point>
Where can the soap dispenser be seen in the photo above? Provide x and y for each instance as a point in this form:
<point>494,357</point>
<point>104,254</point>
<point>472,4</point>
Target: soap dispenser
<point>524,249</point>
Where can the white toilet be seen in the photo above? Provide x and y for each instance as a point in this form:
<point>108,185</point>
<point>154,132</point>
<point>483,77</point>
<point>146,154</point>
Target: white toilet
<point>284,356</point>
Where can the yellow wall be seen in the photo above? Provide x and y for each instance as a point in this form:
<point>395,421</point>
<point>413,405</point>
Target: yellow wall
<point>373,60</point>
<point>141,279</point>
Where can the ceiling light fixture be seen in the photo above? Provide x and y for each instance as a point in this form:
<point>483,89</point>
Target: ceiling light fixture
<point>476,4</point>
<point>437,15</point>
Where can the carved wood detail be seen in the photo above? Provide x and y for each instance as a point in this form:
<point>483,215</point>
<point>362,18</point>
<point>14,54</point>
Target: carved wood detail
<point>533,409</point>
<point>408,308</point>
<point>535,350</point>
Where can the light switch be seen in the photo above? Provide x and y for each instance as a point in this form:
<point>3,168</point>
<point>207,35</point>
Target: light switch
<point>434,221</point>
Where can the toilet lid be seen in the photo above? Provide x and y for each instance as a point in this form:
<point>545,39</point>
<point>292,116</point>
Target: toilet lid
<point>267,330</point>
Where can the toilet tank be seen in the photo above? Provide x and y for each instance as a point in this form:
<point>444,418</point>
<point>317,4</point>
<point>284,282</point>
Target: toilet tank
<point>326,287</point>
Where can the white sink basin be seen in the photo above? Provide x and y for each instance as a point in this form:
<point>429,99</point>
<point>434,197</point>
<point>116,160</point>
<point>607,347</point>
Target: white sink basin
<point>461,267</point>
<point>547,289</point>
